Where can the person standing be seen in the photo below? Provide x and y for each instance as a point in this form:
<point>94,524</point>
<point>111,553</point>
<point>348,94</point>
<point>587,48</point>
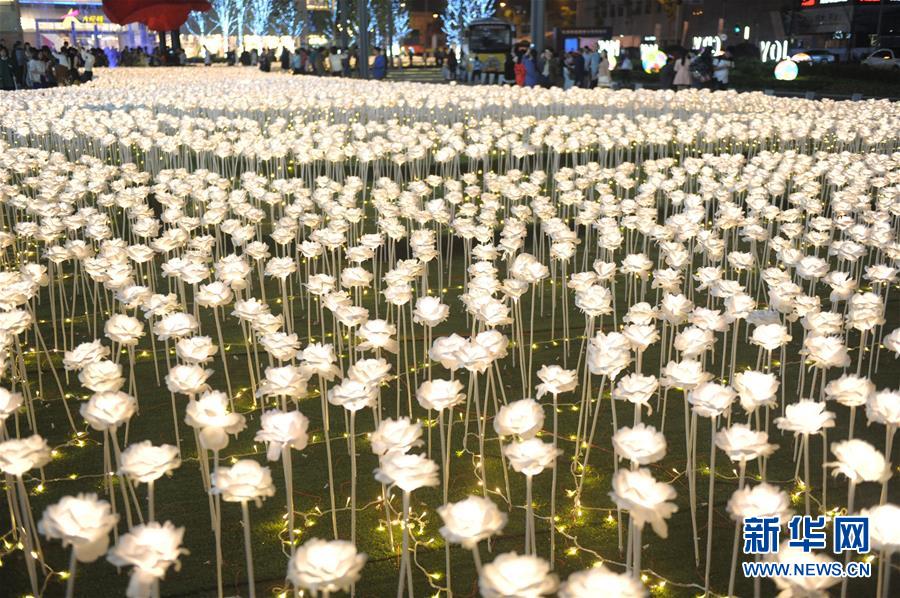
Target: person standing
<point>578,68</point>
<point>452,64</point>
<point>7,71</point>
<point>207,56</point>
<point>335,64</point>
<point>379,65</point>
<point>722,65</point>
<point>88,58</point>
<point>531,71</point>
<point>682,72</point>
<point>591,67</point>
<point>624,69</point>
<point>509,69</point>
<point>603,79</point>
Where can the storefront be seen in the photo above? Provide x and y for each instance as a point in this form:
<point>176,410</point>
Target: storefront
<point>54,22</point>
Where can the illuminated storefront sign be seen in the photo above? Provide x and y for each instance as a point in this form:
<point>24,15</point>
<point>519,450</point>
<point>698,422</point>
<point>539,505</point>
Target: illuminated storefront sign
<point>773,51</point>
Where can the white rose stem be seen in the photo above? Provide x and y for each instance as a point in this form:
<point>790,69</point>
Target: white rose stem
<point>107,479</point>
<point>531,338</point>
<point>825,469</point>
<point>852,422</point>
<point>490,391</point>
<point>289,489</point>
<point>59,386</point>
<point>636,563</point>
<point>886,561</point>
<point>223,356</point>
<point>807,481</point>
<point>713,424</point>
<point>217,521</point>
<point>70,581</point>
<point>172,399</point>
<point>151,502</point>
<point>127,488</point>
<point>327,433</point>
<point>405,567</point>
<point>529,521</point>
<point>690,421</point>
<point>851,495</point>
<point>587,450</point>
<point>888,448</point>
<point>21,514</point>
<point>553,485</point>
<point>248,549</point>
<point>132,381</point>
<point>445,466</point>
<point>476,556</point>
<point>742,469</point>
<point>353,477</point>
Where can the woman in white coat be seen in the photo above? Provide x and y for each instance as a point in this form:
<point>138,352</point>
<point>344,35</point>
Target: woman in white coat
<point>682,72</point>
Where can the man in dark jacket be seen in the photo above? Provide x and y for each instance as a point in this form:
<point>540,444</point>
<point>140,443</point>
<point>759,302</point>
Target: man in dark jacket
<point>7,71</point>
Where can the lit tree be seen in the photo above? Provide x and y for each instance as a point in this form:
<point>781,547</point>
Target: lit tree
<point>261,13</point>
<point>400,14</point>
<point>458,15</point>
<point>197,24</point>
<point>240,15</point>
<point>223,11</point>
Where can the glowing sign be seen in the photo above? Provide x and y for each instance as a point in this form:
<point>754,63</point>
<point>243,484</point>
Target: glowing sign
<point>773,51</point>
<point>709,41</point>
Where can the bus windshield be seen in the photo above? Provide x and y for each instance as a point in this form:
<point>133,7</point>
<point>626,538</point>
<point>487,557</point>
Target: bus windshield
<point>490,38</point>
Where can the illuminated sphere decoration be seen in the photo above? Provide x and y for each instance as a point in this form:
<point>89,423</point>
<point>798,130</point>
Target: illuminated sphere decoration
<point>654,61</point>
<point>786,70</point>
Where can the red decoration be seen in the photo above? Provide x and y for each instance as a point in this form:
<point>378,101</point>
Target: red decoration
<point>158,15</point>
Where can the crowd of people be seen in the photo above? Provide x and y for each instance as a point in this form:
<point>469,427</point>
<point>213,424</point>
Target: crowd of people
<point>24,66</point>
<point>589,67</point>
<point>323,61</point>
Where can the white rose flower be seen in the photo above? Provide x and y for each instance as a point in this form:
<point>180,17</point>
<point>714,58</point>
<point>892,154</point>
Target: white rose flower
<point>81,521</point>
<point>108,410</point>
<point>101,376</point>
<point>600,581</point>
<point>396,435</point>
<point>470,521</point>
<point>440,394</point>
<point>23,454</point>
<point>741,443</point>
<point>212,416</point>
<point>645,499</point>
<point>430,311</point>
<point>10,403</point>
<point>805,417</point>
<point>531,456</point>
<point>859,461</point>
<point>244,481</point>
<point>196,349</point>
<point>151,548</point>
<point>83,354</point>
<point>142,462</point>
<point>187,379</point>
<point>123,329</point>
<point>407,472</point>
<point>279,429</point>
<point>556,380</point>
<point>756,389</point>
<point>523,418</point>
<point>641,444</point>
<point>513,576</point>
<point>323,566</point>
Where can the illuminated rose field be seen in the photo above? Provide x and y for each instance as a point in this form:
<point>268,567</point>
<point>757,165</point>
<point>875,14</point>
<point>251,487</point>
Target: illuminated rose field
<point>265,335</point>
